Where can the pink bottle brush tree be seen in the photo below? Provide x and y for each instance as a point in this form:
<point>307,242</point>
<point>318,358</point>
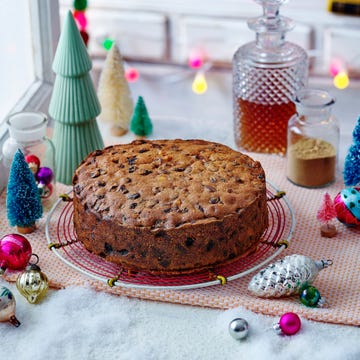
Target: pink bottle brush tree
<point>325,215</point>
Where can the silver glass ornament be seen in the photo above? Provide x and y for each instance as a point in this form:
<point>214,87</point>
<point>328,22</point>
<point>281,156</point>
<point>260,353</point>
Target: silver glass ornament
<point>7,307</point>
<point>286,276</point>
<point>239,328</point>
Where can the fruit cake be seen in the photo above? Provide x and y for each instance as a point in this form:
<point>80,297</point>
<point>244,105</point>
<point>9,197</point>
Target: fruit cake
<point>169,206</point>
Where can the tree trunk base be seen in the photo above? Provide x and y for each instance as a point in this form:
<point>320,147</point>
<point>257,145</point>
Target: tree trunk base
<point>26,229</point>
<point>118,131</point>
<point>328,230</point>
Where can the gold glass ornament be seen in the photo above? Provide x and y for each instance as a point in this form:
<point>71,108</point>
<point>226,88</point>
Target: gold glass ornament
<point>32,283</point>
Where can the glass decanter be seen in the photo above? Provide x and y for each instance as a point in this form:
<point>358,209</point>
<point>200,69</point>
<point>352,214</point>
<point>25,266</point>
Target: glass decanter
<point>267,73</point>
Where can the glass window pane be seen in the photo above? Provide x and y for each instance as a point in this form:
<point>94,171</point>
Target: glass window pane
<point>17,65</point>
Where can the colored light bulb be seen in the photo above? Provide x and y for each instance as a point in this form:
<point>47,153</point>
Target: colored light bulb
<point>81,19</point>
<point>196,59</point>
<point>341,80</point>
<point>85,37</point>
<point>80,4</point>
<point>108,43</point>
<point>199,85</point>
<point>131,75</point>
<point>336,66</point>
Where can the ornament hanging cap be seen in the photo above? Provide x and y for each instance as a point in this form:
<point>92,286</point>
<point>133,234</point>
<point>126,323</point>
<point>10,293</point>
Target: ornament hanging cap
<point>33,265</point>
<point>323,264</point>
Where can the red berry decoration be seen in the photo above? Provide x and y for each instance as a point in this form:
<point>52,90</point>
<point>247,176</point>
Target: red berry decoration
<point>33,162</point>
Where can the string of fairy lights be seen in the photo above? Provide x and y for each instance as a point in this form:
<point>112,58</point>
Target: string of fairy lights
<point>197,60</point>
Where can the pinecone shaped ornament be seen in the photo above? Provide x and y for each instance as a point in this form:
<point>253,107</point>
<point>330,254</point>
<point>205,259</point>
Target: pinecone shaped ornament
<point>286,276</point>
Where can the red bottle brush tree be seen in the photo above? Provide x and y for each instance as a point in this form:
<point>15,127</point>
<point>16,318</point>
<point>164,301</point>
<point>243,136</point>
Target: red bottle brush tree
<point>325,214</point>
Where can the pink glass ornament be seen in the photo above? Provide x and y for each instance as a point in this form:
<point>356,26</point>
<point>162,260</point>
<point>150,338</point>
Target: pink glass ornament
<point>7,307</point>
<point>289,324</point>
<point>347,206</point>
<point>15,252</point>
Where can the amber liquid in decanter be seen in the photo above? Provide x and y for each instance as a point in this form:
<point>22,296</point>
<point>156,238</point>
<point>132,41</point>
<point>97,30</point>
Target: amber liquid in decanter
<point>268,122</point>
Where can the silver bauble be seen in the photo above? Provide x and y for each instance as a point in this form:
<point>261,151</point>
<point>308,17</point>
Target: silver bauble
<point>238,328</point>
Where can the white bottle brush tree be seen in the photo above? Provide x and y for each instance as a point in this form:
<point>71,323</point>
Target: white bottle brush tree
<point>114,94</point>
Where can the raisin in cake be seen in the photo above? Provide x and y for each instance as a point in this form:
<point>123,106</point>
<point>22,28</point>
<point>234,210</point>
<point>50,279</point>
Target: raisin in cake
<point>169,206</point>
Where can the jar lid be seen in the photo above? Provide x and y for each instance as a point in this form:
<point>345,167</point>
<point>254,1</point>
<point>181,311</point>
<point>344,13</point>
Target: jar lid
<point>314,98</point>
<point>27,126</point>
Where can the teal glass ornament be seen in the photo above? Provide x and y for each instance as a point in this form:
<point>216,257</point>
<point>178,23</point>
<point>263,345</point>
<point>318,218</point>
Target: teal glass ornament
<point>310,296</point>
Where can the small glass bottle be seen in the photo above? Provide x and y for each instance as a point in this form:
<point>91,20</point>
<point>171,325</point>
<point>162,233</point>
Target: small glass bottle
<point>27,132</point>
<point>266,75</point>
<point>313,140</point>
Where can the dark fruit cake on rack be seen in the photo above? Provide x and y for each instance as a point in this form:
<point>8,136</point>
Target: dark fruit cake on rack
<point>169,206</point>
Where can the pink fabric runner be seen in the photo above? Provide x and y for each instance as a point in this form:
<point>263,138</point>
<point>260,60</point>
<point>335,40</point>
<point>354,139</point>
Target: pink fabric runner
<point>339,284</point>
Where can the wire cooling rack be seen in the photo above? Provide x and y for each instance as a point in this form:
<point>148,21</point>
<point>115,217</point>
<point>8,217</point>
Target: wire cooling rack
<point>62,240</point>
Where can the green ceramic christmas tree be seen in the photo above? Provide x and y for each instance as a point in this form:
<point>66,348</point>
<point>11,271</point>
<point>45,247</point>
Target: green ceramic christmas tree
<point>74,104</point>
<point>140,123</point>
<point>23,202</point>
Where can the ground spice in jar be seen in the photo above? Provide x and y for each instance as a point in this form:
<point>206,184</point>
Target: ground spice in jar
<point>311,162</point>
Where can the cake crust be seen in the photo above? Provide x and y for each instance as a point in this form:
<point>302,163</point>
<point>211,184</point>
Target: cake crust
<point>169,206</point>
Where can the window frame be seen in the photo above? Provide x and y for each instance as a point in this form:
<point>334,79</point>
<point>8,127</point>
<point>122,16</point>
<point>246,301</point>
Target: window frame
<point>45,29</point>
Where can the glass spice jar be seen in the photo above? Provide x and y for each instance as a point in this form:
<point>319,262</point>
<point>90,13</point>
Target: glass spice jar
<point>313,140</point>
<point>27,132</point>
<point>267,73</point>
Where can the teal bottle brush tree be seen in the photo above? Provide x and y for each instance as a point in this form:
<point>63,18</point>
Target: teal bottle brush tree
<point>23,202</point>
<point>74,104</point>
<point>140,123</point>
<point>352,160</point>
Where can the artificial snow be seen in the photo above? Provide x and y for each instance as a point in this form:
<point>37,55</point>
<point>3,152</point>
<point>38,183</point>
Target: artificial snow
<point>80,323</point>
